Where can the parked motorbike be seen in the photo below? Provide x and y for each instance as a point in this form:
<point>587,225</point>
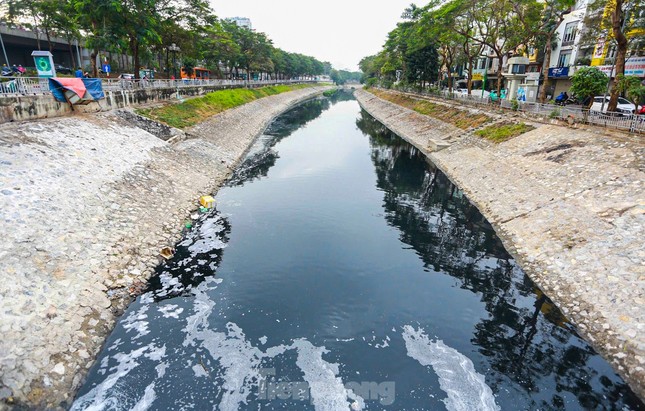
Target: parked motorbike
<point>6,72</point>
<point>19,70</point>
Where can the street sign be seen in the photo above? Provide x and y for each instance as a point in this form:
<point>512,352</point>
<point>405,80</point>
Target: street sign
<point>106,68</point>
<point>556,72</point>
<point>44,63</point>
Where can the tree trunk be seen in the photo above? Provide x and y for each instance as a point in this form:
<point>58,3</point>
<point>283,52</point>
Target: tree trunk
<point>545,69</point>
<point>95,70</point>
<point>617,17</point>
<point>499,76</point>
<point>49,41</point>
<point>71,51</point>
<point>470,74</point>
<point>134,44</point>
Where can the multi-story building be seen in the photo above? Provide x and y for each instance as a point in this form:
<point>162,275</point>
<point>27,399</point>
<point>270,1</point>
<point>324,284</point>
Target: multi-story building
<point>568,52</point>
<point>242,22</point>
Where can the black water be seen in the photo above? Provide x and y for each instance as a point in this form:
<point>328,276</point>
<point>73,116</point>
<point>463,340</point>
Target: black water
<point>336,233</point>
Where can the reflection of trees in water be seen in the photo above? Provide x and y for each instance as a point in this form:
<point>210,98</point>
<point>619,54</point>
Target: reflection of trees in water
<point>342,95</point>
<point>257,164</point>
<point>525,338</point>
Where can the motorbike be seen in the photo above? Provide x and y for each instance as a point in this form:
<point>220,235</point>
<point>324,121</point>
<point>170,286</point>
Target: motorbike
<point>6,72</point>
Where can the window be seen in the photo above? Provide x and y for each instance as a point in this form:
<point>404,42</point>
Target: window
<point>518,69</point>
<point>570,31</point>
<point>565,56</point>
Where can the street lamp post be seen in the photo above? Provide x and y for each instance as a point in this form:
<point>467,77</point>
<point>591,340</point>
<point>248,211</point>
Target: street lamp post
<point>174,48</point>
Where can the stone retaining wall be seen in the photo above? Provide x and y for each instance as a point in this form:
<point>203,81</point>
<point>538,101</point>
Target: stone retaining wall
<point>87,204</point>
<point>569,205</point>
<point>45,106</point>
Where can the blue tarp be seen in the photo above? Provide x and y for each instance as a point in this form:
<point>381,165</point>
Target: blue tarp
<point>94,89</point>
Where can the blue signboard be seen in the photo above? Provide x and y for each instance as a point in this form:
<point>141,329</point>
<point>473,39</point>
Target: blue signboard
<point>106,68</point>
<point>555,72</point>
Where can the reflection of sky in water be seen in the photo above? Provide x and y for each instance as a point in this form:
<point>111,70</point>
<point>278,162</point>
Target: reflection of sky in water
<point>350,275</point>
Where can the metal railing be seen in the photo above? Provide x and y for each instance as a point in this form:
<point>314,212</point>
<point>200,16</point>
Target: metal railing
<point>32,86</point>
<point>629,122</point>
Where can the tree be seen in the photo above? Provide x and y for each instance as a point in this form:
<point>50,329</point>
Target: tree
<point>504,26</point>
<point>618,22</point>
<point>633,88</point>
<point>588,82</point>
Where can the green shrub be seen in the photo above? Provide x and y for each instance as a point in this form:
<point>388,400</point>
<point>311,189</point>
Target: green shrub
<point>193,111</point>
<point>371,82</point>
<point>515,105</point>
<point>555,113</point>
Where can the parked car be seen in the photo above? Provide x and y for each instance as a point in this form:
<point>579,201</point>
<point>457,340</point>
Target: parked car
<point>623,107</point>
<point>62,69</point>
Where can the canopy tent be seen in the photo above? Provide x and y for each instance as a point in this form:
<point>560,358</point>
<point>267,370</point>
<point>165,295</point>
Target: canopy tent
<point>76,90</point>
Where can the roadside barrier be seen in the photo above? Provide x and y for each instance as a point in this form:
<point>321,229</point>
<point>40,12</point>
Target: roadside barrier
<point>573,114</point>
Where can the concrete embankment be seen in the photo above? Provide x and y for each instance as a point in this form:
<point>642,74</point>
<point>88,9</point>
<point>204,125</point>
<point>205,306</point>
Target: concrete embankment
<point>87,203</point>
<point>569,205</point>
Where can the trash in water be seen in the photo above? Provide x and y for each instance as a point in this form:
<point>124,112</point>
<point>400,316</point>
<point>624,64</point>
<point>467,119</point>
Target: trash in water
<point>206,201</point>
<point>167,253</point>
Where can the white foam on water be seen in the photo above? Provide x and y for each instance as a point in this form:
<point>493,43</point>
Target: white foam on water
<point>110,393</point>
<point>171,311</point>
<point>207,238</point>
<point>146,401</point>
<point>161,369</point>
<point>137,321</point>
<point>199,370</point>
<point>465,387</point>
<point>328,392</point>
<point>241,363</point>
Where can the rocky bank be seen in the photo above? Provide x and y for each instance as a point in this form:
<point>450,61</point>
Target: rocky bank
<point>87,202</point>
<point>569,204</point>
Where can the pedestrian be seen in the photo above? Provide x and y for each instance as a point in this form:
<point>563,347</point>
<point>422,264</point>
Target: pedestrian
<point>79,73</point>
<point>86,75</point>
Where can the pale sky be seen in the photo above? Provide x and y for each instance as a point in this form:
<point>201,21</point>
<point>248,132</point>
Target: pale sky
<point>339,31</point>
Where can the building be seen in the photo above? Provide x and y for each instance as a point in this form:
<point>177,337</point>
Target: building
<point>568,52</point>
<point>242,22</point>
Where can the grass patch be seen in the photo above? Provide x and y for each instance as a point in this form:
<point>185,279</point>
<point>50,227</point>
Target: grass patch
<point>193,111</point>
<point>458,118</point>
<point>502,132</point>
<point>330,93</point>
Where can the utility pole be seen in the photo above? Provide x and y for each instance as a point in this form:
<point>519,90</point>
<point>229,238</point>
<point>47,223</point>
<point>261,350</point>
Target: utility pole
<point>4,51</point>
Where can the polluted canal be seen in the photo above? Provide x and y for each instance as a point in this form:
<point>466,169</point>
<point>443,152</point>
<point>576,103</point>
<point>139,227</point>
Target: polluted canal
<point>340,270</point>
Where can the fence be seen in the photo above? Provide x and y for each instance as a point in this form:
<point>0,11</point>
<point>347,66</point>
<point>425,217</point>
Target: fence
<point>33,86</point>
<point>629,122</point>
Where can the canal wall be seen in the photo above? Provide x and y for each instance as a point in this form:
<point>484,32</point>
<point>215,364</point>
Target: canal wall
<point>88,201</point>
<point>26,107</point>
<point>569,205</point>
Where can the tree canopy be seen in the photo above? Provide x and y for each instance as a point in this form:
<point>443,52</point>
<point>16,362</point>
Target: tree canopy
<point>433,41</point>
<point>144,30</point>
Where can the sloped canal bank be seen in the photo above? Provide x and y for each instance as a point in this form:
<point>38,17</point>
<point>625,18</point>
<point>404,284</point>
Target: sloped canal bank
<point>342,271</point>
